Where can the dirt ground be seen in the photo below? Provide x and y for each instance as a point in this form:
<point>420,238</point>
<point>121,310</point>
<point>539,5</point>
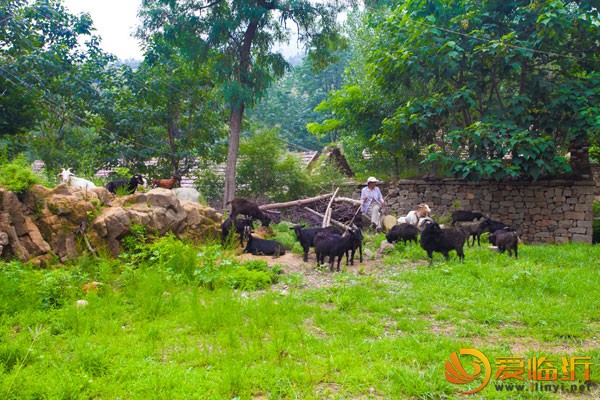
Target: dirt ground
<point>315,276</point>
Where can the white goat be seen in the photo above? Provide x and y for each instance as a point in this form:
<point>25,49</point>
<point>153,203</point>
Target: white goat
<point>71,180</point>
<point>414,216</point>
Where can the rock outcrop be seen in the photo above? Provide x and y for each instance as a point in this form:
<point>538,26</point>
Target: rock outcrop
<point>43,224</point>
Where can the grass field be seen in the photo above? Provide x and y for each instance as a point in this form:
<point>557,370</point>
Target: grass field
<point>177,322</point>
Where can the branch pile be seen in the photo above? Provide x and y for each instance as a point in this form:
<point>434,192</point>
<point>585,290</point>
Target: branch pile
<point>343,210</point>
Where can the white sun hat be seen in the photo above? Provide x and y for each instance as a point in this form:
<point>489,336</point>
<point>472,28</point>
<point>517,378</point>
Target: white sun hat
<point>371,179</point>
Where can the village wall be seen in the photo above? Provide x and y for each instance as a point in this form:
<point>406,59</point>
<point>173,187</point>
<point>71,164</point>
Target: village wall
<point>556,211</point>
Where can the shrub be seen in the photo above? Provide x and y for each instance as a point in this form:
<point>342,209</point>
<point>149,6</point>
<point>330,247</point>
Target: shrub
<point>253,275</point>
<point>17,176</point>
<point>266,168</point>
<point>178,259</point>
<point>244,279</point>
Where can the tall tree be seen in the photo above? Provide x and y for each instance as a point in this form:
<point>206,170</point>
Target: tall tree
<point>40,45</point>
<point>167,108</point>
<point>240,35</point>
<point>50,62</point>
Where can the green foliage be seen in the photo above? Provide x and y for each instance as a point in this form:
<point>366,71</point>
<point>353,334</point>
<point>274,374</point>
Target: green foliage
<point>266,169</point>
<point>17,175</point>
<point>252,275</point>
<point>289,104</point>
<point>325,177</point>
<point>135,245</point>
<point>496,89</point>
<point>210,182</point>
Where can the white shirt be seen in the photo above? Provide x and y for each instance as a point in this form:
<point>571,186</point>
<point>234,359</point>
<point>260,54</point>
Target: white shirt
<point>368,195</point>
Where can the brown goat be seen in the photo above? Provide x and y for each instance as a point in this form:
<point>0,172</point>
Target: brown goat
<point>166,183</point>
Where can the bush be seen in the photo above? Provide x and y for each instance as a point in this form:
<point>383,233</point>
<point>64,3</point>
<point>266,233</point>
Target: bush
<point>267,169</point>
<point>17,176</point>
<point>252,275</point>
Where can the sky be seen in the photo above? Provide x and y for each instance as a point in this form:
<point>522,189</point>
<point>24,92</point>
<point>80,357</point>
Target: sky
<point>115,21</point>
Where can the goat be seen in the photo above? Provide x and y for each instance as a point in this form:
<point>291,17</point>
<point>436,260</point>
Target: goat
<point>249,209</point>
<point>265,247</point>
<point>128,186</point>
<point>239,225</point>
<point>471,230</point>
<point>465,216</point>
<point>166,183</point>
<point>488,225</point>
<point>434,238</point>
<point>405,232</point>
<point>306,237</point>
<point>355,244</point>
<point>506,239</point>
<point>333,245</point>
<point>71,180</point>
<point>414,216</point>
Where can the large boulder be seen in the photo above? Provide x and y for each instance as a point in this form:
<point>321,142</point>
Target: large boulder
<point>160,211</point>
<point>45,223</point>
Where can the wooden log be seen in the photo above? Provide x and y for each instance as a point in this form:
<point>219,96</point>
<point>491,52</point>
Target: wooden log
<point>327,218</point>
<point>333,221</point>
<point>348,200</point>
<point>295,203</point>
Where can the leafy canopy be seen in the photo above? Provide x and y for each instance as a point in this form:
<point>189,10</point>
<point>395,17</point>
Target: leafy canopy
<point>486,89</point>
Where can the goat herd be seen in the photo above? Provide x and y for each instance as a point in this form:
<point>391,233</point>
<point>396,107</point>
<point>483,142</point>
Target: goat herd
<point>332,243</point>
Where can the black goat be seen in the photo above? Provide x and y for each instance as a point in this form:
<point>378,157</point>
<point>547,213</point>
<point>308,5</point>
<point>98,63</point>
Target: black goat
<point>465,216</point>
<point>239,224</point>
<point>434,238</point>
<point>125,185</point>
<point>471,231</point>
<point>249,209</point>
<point>405,232</point>
<point>355,244</point>
<point>506,239</point>
<point>488,225</point>
<point>333,245</point>
<point>264,247</point>
<point>306,237</point>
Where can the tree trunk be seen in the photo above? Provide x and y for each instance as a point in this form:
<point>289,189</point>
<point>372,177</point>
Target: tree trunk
<point>237,113</point>
<point>173,159</point>
<point>235,127</point>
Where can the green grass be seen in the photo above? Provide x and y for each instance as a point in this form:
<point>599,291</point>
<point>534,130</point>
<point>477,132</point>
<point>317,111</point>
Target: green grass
<point>184,327</point>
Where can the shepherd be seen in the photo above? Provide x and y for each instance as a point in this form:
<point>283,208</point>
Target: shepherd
<point>372,202</point>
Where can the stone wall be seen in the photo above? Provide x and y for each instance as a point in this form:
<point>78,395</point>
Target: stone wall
<point>555,211</point>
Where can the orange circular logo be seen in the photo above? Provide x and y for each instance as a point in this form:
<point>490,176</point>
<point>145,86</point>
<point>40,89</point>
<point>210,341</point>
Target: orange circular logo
<point>456,373</point>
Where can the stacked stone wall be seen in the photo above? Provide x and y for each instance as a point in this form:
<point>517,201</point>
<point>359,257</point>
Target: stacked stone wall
<point>556,211</point>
